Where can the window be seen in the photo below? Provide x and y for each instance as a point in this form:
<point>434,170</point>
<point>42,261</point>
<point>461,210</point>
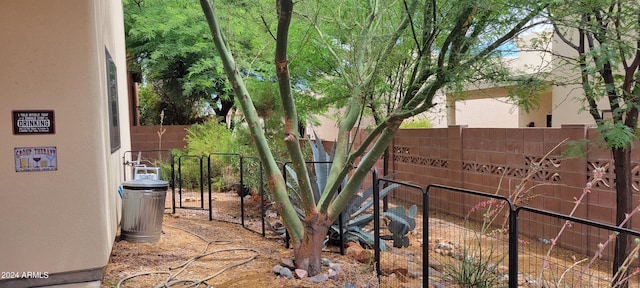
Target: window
<point>112,98</point>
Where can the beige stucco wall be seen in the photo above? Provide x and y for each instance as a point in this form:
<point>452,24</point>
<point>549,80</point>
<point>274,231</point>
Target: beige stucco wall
<point>53,58</point>
<point>568,100</point>
<point>488,112</point>
<point>328,129</point>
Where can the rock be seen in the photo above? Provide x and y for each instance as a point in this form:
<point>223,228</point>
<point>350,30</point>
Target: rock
<point>444,246</point>
<point>277,225</point>
<point>501,269</point>
<point>286,273</point>
<point>349,285</point>
<point>276,269</point>
<point>325,262</point>
<point>437,285</point>
<point>301,273</point>
<point>318,278</point>
<point>334,266</point>
<point>403,278</point>
<point>333,274</point>
<point>271,214</point>
<point>415,273</point>
<point>435,265</point>
<point>351,243</point>
<point>288,263</point>
<point>434,273</point>
<point>394,265</point>
<point>360,254</point>
<point>392,277</point>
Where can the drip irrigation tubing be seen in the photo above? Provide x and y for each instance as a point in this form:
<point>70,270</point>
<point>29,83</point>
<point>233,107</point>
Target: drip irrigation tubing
<point>171,279</point>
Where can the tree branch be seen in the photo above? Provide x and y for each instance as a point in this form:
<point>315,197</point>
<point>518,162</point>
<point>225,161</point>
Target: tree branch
<point>291,137</point>
<point>274,176</point>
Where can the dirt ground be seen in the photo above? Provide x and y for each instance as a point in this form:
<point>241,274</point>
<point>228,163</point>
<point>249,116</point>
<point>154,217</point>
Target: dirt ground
<point>234,245</point>
<point>238,257</point>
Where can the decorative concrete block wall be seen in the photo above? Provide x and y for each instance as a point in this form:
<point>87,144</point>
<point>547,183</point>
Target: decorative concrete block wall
<point>496,160</point>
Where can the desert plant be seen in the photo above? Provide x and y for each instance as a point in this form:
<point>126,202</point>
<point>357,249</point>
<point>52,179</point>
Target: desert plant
<point>186,169</point>
<point>357,215</point>
<point>493,209</point>
<point>522,194</point>
<point>620,277</point>
<point>475,268</point>
<point>400,224</point>
<point>210,137</point>
<point>418,123</point>
<point>597,176</point>
<point>202,140</point>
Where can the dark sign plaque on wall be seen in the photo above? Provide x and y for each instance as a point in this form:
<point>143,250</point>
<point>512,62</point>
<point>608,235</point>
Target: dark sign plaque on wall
<point>33,122</point>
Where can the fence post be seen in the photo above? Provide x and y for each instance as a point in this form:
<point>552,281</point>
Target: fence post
<point>180,179</point>
<point>173,185</point>
<point>425,233</point>
<point>209,186</point>
<point>513,247</point>
<point>262,207</point>
<point>201,183</point>
<point>242,191</point>
<point>376,223</point>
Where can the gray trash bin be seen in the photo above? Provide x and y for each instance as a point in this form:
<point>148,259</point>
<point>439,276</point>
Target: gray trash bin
<point>142,209</point>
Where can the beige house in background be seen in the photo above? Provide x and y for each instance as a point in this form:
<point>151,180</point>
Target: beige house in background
<point>487,105</point>
<point>66,127</point>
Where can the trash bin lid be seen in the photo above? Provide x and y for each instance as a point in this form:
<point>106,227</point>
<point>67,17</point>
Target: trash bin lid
<point>142,183</point>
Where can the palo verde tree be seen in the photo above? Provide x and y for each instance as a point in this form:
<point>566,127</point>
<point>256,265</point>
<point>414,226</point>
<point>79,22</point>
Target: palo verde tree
<point>604,39</point>
<point>450,41</point>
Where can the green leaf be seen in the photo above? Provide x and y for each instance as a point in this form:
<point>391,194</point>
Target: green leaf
<point>617,135</point>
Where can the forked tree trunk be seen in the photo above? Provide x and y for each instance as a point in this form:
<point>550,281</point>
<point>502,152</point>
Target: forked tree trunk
<point>624,198</point>
<point>308,251</point>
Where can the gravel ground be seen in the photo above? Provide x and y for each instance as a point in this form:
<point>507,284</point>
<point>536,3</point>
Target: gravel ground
<point>237,257</point>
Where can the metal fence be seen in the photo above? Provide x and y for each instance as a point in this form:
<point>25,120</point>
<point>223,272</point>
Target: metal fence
<point>190,183</point>
<point>252,211</point>
<point>224,172</point>
<point>476,236</point>
<point>390,245</point>
<point>467,231</point>
<point>591,245</point>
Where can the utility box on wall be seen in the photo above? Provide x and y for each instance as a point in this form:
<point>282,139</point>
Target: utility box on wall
<point>64,106</point>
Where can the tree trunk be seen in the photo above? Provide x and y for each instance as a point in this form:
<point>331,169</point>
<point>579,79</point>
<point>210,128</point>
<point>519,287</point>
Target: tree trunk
<point>624,198</point>
<point>308,251</point>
